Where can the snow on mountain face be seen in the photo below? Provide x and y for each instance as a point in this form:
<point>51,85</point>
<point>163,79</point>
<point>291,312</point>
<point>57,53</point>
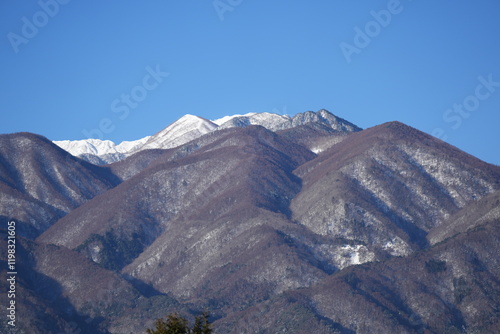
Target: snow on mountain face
<point>273,122</point>
<point>98,147</point>
<point>185,129</point>
<point>131,146</point>
<point>325,117</point>
<point>190,127</point>
<point>225,119</point>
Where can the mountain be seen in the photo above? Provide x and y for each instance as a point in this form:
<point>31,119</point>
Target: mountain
<point>478,213</point>
<point>174,188</point>
<point>385,188</point>
<point>449,288</point>
<point>100,152</point>
<point>190,127</point>
<point>225,119</point>
<point>40,183</point>
<point>271,121</point>
<point>275,122</point>
<point>315,227</point>
<point>53,286</point>
<point>185,129</point>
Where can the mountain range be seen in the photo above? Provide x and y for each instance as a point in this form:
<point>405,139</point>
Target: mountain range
<point>274,224</point>
<point>190,127</point>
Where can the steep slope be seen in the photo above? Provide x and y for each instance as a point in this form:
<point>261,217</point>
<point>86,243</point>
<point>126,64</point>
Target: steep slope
<point>40,182</point>
<point>135,163</point>
<point>234,246</point>
<point>239,216</point>
<point>185,129</point>
<point>217,214</point>
<point>473,215</point>
<point>449,288</point>
<point>324,117</point>
<point>181,183</point>
<point>316,137</point>
<point>60,291</point>
<point>384,188</point>
<point>225,119</point>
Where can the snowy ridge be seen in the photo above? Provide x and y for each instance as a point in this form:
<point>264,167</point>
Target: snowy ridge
<point>225,119</point>
<point>185,129</point>
<point>273,122</point>
<point>190,127</point>
<point>99,147</point>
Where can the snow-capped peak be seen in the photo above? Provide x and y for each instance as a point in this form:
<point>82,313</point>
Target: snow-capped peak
<point>224,119</point>
<point>185,129</point>
<point>190,127</point>
<point>131,146</point>
<point>98,146</point>
<point>270,121</point>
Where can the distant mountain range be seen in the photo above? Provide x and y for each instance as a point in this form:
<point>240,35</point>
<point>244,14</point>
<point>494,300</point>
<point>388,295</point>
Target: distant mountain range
<point>190,127</point>
<point>275,224</point>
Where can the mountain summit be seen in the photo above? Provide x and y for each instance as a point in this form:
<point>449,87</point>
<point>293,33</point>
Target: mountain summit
<point>190,127</point>
<point>185,129</point>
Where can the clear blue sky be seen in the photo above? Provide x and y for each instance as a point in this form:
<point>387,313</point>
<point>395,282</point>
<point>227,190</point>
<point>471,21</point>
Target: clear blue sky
<point>69,68</point>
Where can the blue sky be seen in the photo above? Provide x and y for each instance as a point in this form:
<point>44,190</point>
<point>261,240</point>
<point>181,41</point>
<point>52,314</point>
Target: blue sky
<point>126,69</point>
